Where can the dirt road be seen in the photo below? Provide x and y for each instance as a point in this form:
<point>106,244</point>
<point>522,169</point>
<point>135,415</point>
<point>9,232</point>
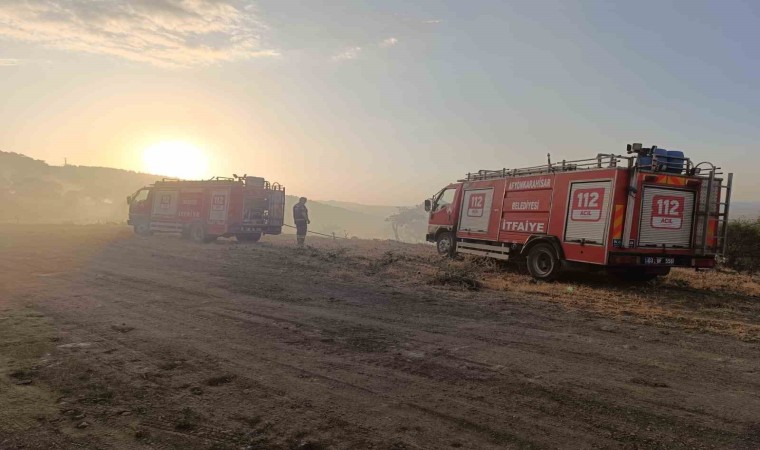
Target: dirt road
<point>114,341</point>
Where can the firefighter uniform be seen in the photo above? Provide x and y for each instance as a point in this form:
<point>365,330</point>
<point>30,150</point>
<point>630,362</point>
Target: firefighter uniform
<point>301,219</point>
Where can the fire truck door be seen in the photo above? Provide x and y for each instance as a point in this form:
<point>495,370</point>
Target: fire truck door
<point>139,203</point>
<point>220,201</point>
<point>443,213</point>
<point>588,212</point>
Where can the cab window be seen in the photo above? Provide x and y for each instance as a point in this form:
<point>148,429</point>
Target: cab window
<point>141,196</point>
<point>444,199</point>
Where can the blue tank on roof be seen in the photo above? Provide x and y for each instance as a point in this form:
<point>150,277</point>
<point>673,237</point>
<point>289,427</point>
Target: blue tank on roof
<point>645,161</point>
<point>676,161</point>
<point>660,158</point>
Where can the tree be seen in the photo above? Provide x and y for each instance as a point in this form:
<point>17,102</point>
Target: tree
<point>409,223</point>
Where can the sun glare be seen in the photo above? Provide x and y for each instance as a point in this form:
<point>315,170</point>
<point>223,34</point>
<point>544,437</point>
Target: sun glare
<point>175,159</point>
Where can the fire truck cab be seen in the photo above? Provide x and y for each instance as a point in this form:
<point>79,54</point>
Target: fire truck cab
<point>636,216</point>
<point>245,207</point>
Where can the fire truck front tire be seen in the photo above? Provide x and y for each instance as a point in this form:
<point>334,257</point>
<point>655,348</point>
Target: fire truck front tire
<point>543,263</point>
<point>444,243</point>
<point>142,229</point>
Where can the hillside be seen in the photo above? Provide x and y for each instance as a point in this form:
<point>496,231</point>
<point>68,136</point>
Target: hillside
<point>343,222</point>
<point>381,211</point>
<point>31,191</point>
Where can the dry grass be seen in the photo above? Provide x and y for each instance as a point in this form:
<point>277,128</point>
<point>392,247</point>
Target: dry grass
<point>721,302</point>
<point>711,301</point>
<point>721,281</point>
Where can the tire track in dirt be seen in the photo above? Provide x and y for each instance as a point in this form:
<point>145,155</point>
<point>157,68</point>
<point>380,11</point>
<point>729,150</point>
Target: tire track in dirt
<point>272,317</point>
<point>572,354</point>
<point>294,368</point>
<point>101,336</point>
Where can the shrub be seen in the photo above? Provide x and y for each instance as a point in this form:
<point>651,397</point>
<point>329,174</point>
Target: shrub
<point>743,245</point>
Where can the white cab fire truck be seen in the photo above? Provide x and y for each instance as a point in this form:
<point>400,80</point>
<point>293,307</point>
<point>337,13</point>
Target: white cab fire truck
<point>636,216</point>
<point>245,207</point>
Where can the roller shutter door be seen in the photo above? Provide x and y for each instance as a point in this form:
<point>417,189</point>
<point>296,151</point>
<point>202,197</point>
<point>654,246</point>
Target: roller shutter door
<point>667,216</point>
<point>588,212</point>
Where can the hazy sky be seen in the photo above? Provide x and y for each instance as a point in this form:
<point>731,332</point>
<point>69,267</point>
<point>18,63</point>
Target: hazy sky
<point>379,102</point>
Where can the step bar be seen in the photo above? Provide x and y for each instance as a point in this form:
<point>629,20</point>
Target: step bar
<point>478,249</point>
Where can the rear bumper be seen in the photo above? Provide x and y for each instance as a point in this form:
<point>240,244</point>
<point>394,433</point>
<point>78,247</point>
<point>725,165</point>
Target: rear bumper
<point>254,228</point>
<point>660,260</point>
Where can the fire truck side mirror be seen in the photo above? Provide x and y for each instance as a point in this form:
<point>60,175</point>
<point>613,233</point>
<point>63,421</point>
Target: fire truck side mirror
<point>427,205</point>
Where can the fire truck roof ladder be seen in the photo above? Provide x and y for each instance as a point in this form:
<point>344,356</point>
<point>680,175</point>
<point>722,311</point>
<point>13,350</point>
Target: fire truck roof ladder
<point>723,216</point>
<point>652,159</point>
<point>601,161</point>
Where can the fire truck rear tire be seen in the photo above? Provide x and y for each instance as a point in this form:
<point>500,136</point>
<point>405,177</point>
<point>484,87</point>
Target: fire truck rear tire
<point>198,233</point>
<point>639,275</point>
<point>543,263</point>
<point>248,237</point>
<point>444,243</point>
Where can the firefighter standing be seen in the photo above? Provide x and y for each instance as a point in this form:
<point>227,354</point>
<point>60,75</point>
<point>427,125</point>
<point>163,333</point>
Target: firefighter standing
<point>301,219</point>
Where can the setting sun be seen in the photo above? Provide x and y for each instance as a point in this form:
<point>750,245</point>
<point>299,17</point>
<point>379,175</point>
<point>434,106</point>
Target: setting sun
<point>177,159</point>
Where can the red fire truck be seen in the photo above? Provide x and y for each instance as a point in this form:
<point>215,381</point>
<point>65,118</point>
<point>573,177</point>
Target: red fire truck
<point>244,207</point>
<point>636,215</point>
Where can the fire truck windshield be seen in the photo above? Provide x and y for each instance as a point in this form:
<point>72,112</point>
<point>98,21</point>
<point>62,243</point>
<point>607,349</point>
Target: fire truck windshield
<point>140,196</point>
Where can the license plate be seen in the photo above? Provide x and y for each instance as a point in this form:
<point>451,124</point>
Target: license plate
<point>659,260</point>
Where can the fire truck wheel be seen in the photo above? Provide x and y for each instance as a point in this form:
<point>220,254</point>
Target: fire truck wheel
<point>198,233</point>
<point>445,244</point>
<point>248,237</point>
<point>142,229</point>
<point>543,263</point>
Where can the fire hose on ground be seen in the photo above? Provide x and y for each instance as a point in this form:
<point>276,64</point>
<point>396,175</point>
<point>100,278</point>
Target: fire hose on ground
<point>320,234</point>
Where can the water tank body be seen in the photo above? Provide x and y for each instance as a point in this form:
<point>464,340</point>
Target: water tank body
<point>255,181</point>
<point>660,158</point>
<point>645,161</point>
<point>676,161</point>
